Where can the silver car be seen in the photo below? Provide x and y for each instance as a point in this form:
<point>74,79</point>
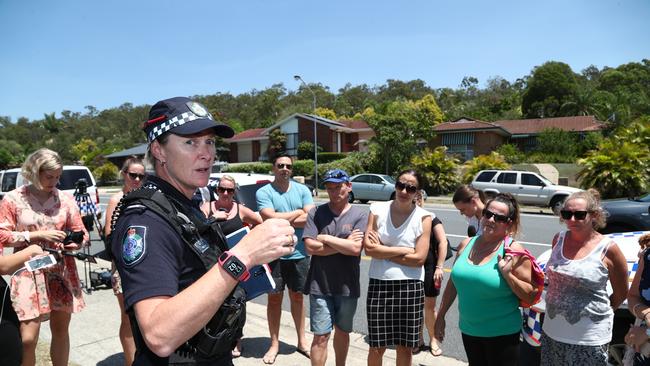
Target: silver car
<point>376,187</point>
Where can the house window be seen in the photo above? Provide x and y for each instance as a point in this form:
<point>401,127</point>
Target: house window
<point>291,147</point>
<point>458,138</point>
<point>466,152</point>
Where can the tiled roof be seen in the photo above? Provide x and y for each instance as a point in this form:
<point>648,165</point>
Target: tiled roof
<point>248,134</point>
<point>575,123</point>
<point>525,126</point>
<point>465,124</point>
<point>355,125</point>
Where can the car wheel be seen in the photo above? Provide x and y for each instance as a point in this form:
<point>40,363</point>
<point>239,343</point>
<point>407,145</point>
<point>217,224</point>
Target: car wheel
<point>363,201</point>
<point>351,197</point>
<point>556,204</point>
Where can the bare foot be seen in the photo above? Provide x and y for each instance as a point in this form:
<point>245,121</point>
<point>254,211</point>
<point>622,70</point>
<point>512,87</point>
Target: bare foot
<point>271,354</point>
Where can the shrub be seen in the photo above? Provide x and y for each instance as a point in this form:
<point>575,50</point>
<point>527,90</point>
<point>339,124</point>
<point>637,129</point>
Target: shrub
<point>482,162</point>
<point>258,167</point>
<point>106,173</point>
<point>327,157</point>
<point>352,164</point>
<point>438,170</point>
<point>511,153</point>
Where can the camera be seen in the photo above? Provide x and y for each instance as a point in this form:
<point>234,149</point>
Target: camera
<point>73,237</point>
<point>81,186</point>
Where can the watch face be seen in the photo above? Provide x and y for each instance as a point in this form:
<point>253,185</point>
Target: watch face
<point>234,267</point>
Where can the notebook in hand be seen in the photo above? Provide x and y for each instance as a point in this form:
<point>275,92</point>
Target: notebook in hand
<point>260,281</point>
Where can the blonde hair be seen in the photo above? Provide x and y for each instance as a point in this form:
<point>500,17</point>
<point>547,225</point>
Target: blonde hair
<point>228,177</point>
<point>39,161</point>
<point>592,198</point>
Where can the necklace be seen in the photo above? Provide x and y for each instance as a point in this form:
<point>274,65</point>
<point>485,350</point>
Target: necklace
<point>484,251</point>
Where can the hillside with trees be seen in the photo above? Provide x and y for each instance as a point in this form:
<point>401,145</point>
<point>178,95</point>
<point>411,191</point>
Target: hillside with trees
<point>403,114</point>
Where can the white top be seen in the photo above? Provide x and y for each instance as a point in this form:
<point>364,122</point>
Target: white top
<point>391,236</point>
<point>578,310</point>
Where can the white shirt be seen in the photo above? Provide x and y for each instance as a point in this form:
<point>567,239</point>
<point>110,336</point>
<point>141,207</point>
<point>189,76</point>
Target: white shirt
<point>403,236</point>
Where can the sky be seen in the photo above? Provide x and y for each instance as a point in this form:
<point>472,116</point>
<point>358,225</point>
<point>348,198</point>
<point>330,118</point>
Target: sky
<point>65,55</point>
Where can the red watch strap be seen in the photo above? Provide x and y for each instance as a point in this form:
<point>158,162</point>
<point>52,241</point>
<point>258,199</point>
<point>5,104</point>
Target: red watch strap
<point>225,256</point>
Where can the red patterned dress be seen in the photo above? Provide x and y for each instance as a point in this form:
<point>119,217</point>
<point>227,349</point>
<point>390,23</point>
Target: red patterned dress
<point>56,288</point>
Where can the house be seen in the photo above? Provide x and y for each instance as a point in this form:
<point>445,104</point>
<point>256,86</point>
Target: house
<point>333,136</point>
<point>469,137</point>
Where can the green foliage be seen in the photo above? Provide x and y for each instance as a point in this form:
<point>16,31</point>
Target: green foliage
<point>511,153</point>
<point>620,167</point>
<point>352,164</point>
<point>590,141</point>
<point>399,126</point>
<point>106,172</point>
<point>326,113</point>
<point>11,154</point>
<point>277,143</point>
<point>306,150</point>
<point>492,161</point>
<point>438,170</point>
<point>258,167</point>
<point>554,141</point>
<point>550,86</point>
<point>85,151</point>
<point>326,157</point>
<point>304,168</point>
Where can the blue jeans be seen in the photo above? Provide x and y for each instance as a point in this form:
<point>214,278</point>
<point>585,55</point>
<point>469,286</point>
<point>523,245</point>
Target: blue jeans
<point>327,311</point>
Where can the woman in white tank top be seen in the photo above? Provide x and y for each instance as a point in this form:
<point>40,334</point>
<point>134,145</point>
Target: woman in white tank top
<point>579,313</point>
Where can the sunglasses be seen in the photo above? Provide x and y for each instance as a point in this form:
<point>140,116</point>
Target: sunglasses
<point>136,175</point>
<point>282,166</point>
<point>579,215</point>
<point>498,218</point>
<point>224,189</point>
<point>409,188</point>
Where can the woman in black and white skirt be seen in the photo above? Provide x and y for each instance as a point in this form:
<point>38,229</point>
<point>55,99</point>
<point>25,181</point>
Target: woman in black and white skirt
<point>397,239</point>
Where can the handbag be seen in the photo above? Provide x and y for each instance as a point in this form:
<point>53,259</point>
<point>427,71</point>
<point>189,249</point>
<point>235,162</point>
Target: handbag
<point>449,249</point>
<point>537,274</point>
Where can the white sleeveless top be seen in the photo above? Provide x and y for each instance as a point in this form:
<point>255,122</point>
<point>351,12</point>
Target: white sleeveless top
<point>578,310</point>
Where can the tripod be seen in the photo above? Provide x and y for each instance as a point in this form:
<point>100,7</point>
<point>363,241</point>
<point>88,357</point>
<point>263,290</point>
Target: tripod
<point>90,218</point>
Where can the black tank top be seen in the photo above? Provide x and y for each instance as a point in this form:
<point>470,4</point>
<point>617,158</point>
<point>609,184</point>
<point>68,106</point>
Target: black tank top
<point>232,225</point>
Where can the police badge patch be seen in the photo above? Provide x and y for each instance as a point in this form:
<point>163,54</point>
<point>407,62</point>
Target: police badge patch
<point>133,245</point>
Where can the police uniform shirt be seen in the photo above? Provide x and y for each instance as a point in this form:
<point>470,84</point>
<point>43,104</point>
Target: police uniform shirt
<point>152,258</point>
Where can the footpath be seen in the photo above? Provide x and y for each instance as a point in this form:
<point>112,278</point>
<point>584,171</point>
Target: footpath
<point>94,337</point>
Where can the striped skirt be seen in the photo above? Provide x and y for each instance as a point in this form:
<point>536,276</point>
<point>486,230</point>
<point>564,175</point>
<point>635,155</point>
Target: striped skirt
<point>395,312</point>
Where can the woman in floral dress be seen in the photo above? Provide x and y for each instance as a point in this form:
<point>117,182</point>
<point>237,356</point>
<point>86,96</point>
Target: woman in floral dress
<point>38,213</point>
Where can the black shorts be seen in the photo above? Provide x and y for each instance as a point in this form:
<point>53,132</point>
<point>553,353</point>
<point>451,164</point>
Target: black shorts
<point>430,289</point>
<point>292,272</point>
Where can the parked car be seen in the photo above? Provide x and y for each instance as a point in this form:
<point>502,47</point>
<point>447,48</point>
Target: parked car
<point>628,242</point>
<point>376,187</point>
<point>71,174</point>
<point>627,214</point>
<point>528,188</point>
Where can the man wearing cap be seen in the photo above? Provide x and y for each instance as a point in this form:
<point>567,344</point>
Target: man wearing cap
<point>175,267</point>
<point>286,199</point>
<point>333,236</point>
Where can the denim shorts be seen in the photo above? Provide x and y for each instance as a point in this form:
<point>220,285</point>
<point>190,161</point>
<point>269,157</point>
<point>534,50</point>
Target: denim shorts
<point>327,311</point>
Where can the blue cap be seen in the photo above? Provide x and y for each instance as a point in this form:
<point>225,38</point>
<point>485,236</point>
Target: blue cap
<point>182,116</point>
<point>336,176</point>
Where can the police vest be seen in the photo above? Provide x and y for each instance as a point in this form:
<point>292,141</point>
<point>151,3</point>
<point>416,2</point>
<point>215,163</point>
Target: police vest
<point>207,241</point>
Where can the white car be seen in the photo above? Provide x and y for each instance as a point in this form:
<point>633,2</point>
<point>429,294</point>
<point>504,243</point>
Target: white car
<point>70,177</point>
<point>528,188</point>
<point>629,244</point>
<point>368,186</point>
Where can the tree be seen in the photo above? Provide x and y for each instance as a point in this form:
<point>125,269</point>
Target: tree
<point>550,86</point>
<point>326,113</point>
<point>306,150</point>
<point>277,142</point>
<point>555,141</point>
<point>438,170</point>
<point>620,167</point>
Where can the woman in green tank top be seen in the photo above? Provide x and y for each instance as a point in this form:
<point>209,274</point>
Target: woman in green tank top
<point>488,285</point>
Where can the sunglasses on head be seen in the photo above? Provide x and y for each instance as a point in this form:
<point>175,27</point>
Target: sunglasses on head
<point>579,215</point>
<point>224,189</point>
<point>282,166</point>
<point>409,188</point>
<point>498,218</point>
<point>136,175</point>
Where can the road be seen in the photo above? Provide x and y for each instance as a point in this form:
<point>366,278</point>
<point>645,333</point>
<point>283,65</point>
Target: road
<point>537,230</point>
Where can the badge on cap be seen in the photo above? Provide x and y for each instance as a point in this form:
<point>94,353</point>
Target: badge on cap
<point>133,245</point>
<point>197,109</point>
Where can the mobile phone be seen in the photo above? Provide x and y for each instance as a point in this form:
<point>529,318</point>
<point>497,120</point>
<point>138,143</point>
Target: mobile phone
<point>40,262</point>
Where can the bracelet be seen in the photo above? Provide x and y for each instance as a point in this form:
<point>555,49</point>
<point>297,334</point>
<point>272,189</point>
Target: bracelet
<point>26,236</point>
<point>439,267</point>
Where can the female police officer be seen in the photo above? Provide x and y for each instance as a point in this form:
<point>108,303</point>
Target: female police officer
<point>179,281</point>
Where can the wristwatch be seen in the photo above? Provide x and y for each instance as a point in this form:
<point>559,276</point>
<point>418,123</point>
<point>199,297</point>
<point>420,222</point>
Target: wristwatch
<point>234,266</point>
